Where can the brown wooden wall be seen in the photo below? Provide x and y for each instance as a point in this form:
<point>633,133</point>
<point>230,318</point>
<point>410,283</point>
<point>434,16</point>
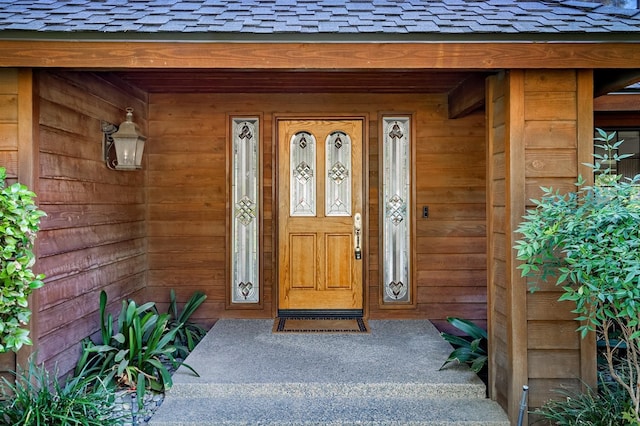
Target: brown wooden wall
<point>188,212</point>
<point>540,129</point>
<point>9,121</point>
<point>94,235</point>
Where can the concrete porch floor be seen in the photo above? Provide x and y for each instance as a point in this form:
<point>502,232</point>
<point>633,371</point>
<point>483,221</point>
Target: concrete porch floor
<point>251,376</point>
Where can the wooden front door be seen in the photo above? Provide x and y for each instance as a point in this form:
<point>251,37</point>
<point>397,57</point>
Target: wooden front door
<point>320,237</point>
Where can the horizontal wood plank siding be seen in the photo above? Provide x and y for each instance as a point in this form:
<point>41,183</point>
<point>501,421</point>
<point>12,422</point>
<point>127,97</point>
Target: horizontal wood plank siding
<point>188,211</point>
<point>94,237</point>
<point>548,124</point>
<point>9,122</point>
<point>553,107</point>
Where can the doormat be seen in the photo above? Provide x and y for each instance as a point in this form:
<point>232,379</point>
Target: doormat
<point>320,325</point>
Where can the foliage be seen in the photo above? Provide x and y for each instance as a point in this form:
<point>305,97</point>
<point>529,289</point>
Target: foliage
<point>137,354</point>
<point>19,223</point>
<point>470,349</point>
<point>589,241</point>
<point>39,398</point>
<point>609,406</point>
<point>188,334</point>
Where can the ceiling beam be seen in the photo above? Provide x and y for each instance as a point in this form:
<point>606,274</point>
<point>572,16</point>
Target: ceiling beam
<point>607,81</point>
<point>617,102</point>
<point>119,55</point>
<point>468,96</point>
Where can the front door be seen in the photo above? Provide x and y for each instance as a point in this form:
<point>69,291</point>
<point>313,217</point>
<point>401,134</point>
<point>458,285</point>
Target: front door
<point>320,237</point>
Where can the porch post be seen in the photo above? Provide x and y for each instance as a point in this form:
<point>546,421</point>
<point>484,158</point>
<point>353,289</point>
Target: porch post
<point>539,132</point>
<point>19,156</point>
<point>28,174</point>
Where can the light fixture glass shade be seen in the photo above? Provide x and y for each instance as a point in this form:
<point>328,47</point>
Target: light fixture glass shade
<point>129,143</point>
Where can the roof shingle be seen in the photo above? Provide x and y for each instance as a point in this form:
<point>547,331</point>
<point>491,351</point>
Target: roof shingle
<point>323,17</point>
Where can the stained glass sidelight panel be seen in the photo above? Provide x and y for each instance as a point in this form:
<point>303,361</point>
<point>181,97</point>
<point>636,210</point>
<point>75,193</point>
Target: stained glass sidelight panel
<point>396,196</point>
<point>245,198</point>
<point>302,176</point>
<point>338,167</point>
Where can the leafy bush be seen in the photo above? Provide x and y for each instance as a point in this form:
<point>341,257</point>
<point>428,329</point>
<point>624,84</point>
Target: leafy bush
<point>188,334</point>
<point>589,240</point>
<point>137,354</point>
<point>470,349</point>
<point>39,398</point>
<point>609,406</point>
<point>19,223</point>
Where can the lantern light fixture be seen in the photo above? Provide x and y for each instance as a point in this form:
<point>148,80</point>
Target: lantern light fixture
<point>123,146</point>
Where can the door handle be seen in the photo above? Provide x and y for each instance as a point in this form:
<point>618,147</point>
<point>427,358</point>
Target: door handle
<point>357,227</point>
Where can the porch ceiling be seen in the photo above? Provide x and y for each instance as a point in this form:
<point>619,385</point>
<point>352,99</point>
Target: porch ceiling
<point>295,81</point>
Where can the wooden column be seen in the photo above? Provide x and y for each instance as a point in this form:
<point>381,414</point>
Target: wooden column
<point>28,172</point>
<point>19,156</point>
<point>9,123</point>
<point>539,132</point>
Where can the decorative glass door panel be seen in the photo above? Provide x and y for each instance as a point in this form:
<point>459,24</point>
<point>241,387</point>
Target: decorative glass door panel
<point>302,174</point>
<point>338,167</point>
<point>245,198</point>
<point>320,194</point>
<point>396,199</point>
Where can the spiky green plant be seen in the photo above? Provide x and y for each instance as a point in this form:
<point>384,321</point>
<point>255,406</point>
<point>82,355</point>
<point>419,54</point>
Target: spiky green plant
<point>137,353</point>
<point>37,397</point>
<point>469,349</point>
<point>188,334</point>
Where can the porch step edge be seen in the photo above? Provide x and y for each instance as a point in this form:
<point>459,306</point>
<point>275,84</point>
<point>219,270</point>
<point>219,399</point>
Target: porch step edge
<point>330,390</point>
<point>329,411</point>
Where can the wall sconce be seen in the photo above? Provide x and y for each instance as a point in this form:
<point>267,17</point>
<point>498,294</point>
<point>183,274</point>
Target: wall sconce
<point>123,146</point>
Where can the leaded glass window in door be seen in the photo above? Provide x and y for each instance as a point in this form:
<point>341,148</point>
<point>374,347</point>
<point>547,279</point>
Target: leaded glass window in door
<point>245,201</point>
<point>338,167</point>
<point>396,197</point>
<point>303,174</point>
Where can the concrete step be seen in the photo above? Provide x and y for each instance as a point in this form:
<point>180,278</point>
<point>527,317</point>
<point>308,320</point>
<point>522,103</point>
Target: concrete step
<point>390,376</point>
<point>329,390</point>
<point>354,410</point>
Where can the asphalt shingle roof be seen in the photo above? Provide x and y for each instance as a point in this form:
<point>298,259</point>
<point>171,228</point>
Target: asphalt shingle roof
<point>319,17</point>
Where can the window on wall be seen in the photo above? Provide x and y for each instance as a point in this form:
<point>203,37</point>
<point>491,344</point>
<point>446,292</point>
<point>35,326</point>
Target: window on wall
<point>627,167</point>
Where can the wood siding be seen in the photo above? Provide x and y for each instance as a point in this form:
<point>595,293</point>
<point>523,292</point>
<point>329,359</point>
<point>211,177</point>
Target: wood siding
<point>93,237</point>
<point>139,234</point>
<point>188,211</point>
<point>9,122</point>
<point>540,131</point>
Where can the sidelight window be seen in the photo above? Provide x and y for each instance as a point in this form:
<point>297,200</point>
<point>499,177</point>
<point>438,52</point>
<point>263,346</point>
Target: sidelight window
<point>245,201</point>
<point>396,198</point>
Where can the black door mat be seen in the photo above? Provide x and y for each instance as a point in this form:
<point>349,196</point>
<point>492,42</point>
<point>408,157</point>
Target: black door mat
<point>320,325</point>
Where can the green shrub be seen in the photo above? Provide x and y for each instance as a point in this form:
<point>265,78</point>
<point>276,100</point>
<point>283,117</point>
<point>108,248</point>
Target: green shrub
<point>189,334</point>
<point>37,397</point>
<point>137,354</point>
<point>470,349</point>
<point>609,406</point>
<point>19,223</point>
<point>589,241</point>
